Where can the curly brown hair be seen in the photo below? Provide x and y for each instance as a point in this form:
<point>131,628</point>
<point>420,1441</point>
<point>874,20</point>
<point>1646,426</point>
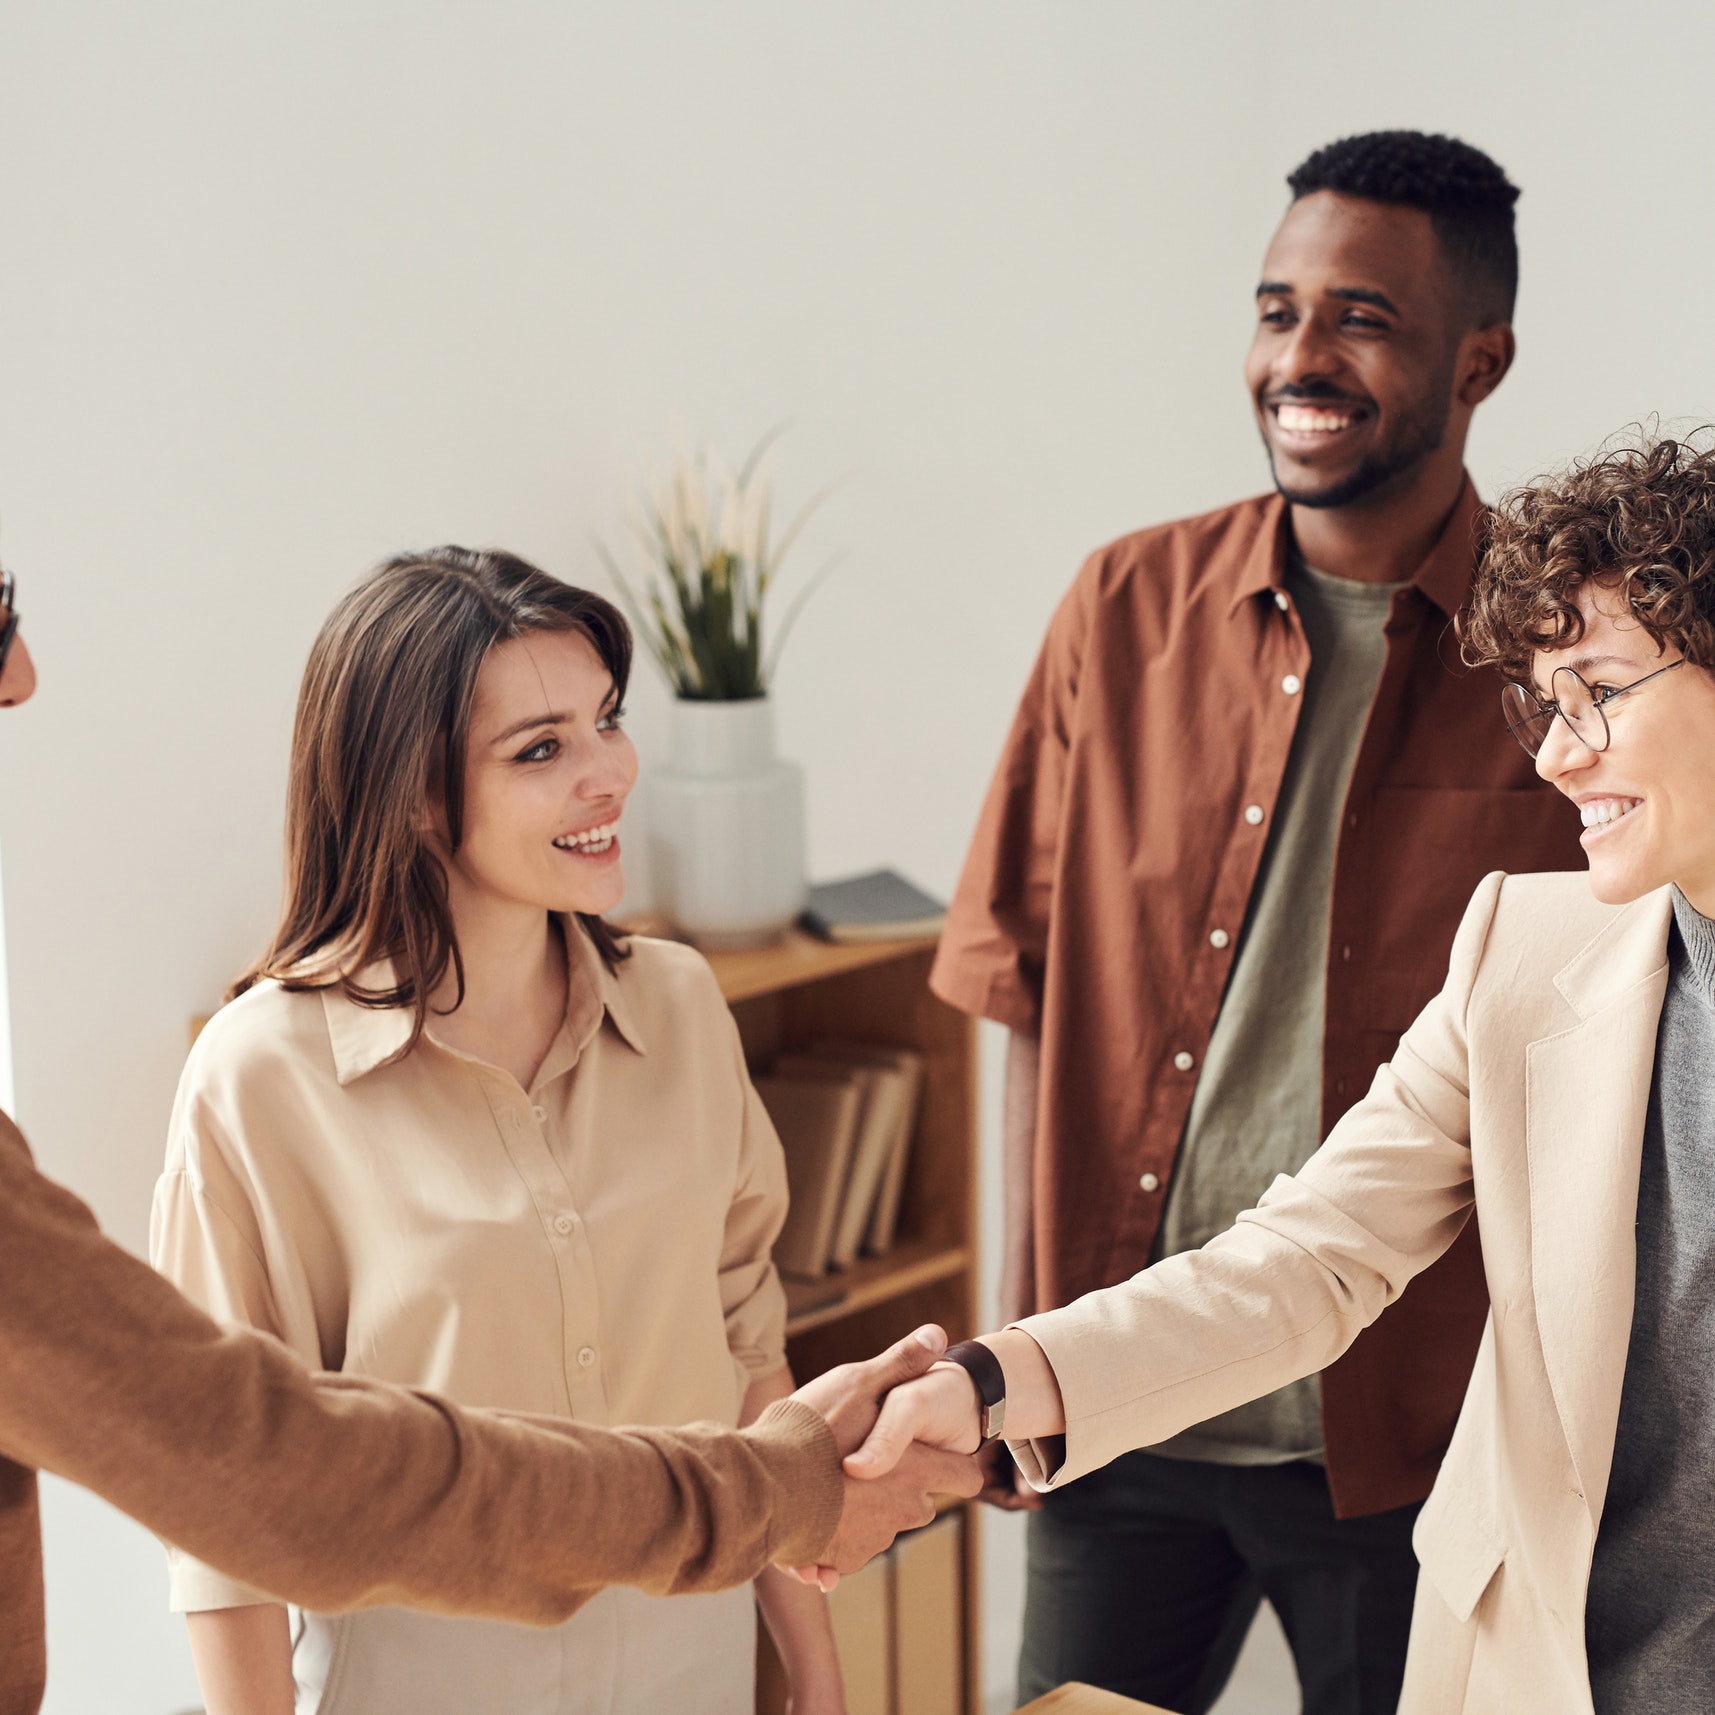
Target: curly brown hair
<point>1637,518</point>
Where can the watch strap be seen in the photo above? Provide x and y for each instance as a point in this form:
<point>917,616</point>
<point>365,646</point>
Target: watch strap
<point>987,1377</point>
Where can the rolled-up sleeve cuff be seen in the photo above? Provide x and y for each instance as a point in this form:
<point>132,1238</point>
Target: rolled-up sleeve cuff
<point>1053,1461</point>
<point>968,987</point>
<point>756,1329</point>
<point>194,1588</point>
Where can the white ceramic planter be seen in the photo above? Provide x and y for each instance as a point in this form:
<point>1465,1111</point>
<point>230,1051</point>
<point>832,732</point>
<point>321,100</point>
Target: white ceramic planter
<point>727,827</point>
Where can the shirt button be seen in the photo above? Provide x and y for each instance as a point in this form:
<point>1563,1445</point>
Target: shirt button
<point>586,1357</point>
<point>541,1115</point>
<point>1183,1061</point>
<point>1346,955</point>
<point>1292,684</point>
<point>1149,1182</point>
<point>1218,938</point>
<point>1280,600</point>
<point>1253,814</point>
<point>563,1223</point>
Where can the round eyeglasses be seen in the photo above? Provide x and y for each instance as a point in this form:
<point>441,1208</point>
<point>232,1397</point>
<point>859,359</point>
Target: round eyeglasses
<point>1576,701</point>
<point>9,606</point>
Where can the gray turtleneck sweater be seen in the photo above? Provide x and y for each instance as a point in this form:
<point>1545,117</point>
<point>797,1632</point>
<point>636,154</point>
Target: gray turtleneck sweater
<point>1650,1623</point>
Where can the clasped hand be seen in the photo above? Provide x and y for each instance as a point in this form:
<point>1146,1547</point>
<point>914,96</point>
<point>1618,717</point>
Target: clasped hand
<point>892,1419</point>
<point>906,1432</point>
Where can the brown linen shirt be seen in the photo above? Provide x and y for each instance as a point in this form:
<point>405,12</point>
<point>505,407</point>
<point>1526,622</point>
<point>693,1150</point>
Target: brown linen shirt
<point>335,1492</point>
<point>1101,904</point>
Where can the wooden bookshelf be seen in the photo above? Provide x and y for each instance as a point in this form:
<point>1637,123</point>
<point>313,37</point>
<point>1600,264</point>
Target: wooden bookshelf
<point>874,1280</point>
<point>792,995</point>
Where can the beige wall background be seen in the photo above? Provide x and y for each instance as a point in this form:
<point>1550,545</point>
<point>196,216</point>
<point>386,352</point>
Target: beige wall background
<point>285,288</point>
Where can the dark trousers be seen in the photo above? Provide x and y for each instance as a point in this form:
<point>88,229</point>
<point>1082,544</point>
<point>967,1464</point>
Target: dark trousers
<point>1144,1578</point>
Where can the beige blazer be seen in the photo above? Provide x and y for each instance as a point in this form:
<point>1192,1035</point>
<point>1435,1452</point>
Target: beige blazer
<point>1520,1091</point>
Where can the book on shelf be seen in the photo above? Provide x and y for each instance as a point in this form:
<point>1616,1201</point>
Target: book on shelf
<point>928,1592</point>
<point>817,1119</point>
<point>879,906</point>
<point>846,1112</point>
<point>896,1625</point>
<point>907,1064</point>
<point>860,1615</point>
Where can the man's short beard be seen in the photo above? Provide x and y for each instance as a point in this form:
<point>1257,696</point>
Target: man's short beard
<point>1418,437</point>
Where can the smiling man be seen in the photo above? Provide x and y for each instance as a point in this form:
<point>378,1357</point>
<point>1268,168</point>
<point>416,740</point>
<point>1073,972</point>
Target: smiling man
<point>1244,801</point>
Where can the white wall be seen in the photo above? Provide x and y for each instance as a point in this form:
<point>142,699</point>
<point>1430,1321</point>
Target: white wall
<point>287,287</point>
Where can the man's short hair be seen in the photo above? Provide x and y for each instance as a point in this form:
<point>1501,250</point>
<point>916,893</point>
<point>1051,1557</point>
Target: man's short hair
<point>1467,197</point>
<point>1638,518</point>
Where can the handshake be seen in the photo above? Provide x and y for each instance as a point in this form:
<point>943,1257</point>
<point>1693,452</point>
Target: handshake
<point>906,1432</point>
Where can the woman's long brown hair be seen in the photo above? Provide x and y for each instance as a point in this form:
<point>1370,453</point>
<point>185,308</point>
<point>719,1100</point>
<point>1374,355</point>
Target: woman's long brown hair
<point>383,720</point>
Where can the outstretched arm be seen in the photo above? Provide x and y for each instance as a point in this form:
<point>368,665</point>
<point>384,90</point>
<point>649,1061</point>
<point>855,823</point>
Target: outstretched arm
<point>338,1493</point>
<point>1278,1296</point>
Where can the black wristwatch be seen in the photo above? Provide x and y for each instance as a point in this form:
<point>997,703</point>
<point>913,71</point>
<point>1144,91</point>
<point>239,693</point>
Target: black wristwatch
<point>988,1378</point>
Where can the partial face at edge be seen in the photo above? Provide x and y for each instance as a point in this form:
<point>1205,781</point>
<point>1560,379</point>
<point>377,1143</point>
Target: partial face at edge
<point>547,771</point>
<point>1648,800</point>
<point>1358,368</point>
<point>18,677</point>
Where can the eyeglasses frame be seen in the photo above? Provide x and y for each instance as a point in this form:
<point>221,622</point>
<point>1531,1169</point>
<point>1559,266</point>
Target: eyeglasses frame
<point>1599,704</point>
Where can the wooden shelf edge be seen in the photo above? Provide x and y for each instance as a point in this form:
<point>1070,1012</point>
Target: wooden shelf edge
<point>814,1303</point>
<point>800,959</point>
<point>797,959</point>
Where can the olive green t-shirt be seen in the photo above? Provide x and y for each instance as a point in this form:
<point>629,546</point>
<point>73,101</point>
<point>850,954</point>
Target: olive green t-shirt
<point>1257,1110</point>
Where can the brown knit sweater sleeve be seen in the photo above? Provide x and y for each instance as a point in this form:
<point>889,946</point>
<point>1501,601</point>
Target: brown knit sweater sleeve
<point>337,1493</point>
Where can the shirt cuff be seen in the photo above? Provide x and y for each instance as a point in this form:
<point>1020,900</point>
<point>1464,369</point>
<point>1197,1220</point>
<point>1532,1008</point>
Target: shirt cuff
<point>997,995</point>
<point>756,1329</point>
<point>1043,1461</point>
<point>194,1588</point>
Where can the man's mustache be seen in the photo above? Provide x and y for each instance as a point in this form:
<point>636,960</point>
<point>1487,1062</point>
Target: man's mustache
<point>1312,394</point>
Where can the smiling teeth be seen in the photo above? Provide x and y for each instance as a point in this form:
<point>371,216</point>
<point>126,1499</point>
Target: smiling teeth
<point>1600,811</point>
<point>590,839</point>
<point>1308,420</point>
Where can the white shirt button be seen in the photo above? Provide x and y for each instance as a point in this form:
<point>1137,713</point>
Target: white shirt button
<point>563,1223</point>
<point>541,1115</point>
<point>1253,814</point>
<point>1183,1061</point>
<point>1280,600</point>
<point>1149,1182</point>
<point>1292,684</point>
<point>586,1357</point>
<point>1218,938</point>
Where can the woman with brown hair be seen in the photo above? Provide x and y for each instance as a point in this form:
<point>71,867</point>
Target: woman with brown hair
<point>1562,1088</point>
<point>453,1131</point>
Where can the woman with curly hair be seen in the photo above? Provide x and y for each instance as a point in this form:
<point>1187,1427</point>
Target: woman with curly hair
<point>1562,1087</point>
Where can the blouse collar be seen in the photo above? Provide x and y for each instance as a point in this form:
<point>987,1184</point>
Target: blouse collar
<point>365,1038</point>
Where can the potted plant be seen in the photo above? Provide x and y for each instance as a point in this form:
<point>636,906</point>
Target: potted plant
<point>726,836</point>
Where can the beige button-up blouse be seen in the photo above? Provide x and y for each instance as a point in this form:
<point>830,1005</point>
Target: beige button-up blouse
<point>596,1247</point>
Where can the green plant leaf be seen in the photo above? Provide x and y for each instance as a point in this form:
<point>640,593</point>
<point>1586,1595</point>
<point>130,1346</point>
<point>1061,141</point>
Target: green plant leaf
<point>700,606</point>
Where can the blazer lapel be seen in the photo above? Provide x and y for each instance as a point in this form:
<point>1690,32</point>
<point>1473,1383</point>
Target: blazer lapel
<point>1586,1095</point>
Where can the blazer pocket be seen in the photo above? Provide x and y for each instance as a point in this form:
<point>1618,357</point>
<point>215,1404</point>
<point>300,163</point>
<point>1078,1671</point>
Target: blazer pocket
<point>1458,1552</point>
